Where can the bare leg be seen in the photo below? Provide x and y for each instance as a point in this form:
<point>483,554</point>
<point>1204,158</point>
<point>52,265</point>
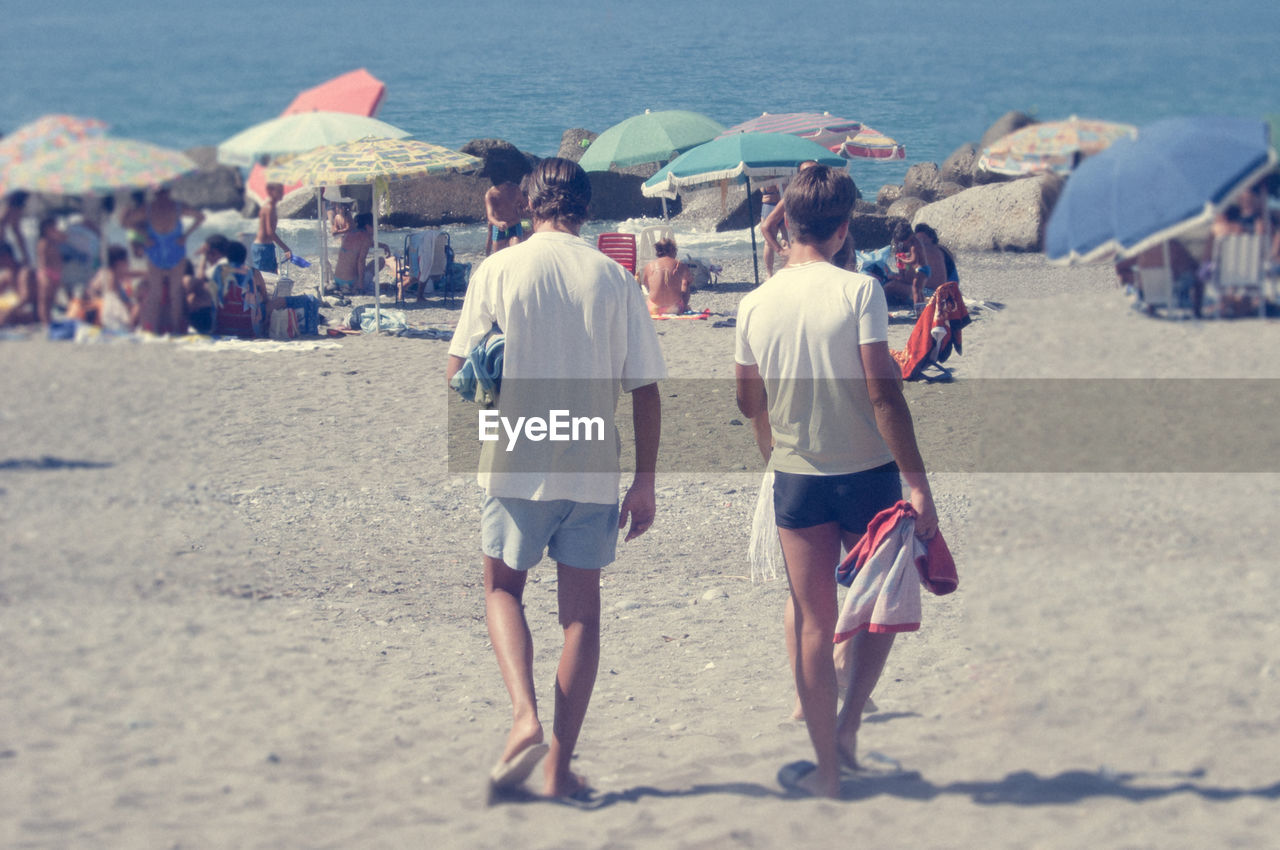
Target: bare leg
<point>789,625</point>
<point>579,601</point>
<point>870,651</point>
<point>152,298</point>
<point>177,301</point>
<point>513,645</point>
<point>810,554</point>
<point>46,292</point>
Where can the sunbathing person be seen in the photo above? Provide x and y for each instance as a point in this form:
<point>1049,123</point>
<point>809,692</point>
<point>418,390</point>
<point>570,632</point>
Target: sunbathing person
<point>166,248</point>
<point>667,281</point>
<point>16,289</point>
<point>48,268</point>
<point>118,309</point>
<point>351,274</point>
<point>10,222</point>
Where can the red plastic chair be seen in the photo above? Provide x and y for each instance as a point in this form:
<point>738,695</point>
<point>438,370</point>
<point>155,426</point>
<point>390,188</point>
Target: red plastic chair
<point>620,247</point>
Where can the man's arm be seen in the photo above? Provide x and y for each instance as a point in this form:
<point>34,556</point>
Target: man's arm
<point>455,363</point>
<point>771,225</point>
<point>269,220</point>
<point>753,401</point>
<point>640,504</point>
<point>197,216</point>
<point>893,419</point>
<point>489,212</point>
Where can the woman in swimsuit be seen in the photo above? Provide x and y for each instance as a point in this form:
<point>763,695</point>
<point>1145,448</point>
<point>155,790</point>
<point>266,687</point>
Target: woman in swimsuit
<point>166,248</point>
<point>667,280</point>
<point>48,268</point>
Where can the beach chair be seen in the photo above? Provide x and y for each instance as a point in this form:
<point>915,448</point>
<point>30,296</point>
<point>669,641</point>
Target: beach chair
<point>423,262</point>
<point>1239,273</point>
<point>620,247</point>
<point>1156,284</point>
<point>649,237</point>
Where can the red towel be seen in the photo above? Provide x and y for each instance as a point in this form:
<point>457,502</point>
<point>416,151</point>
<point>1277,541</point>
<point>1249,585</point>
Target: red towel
<point>944,310</point>
<point>935,565</point>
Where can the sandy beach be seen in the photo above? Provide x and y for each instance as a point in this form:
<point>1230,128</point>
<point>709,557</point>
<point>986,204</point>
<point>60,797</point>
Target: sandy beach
<point>241,606</point>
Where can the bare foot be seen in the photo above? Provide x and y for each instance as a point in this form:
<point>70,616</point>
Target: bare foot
<point>797,713</point>
<point>570,785</point>
<point>522,736</point>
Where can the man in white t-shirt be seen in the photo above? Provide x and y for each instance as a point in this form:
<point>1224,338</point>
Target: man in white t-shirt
<point>577,334</point>
<point>812,355</point>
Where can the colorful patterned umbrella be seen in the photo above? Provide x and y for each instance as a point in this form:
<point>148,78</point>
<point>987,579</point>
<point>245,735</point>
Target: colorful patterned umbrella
<point>1051,146</point>
<point>301,132</point>
<point>870,144</point>
<point>99,165</point>
<point>376,161</point>
<point>366,161</point>
<point>651,137</point>
<point>821,127</point>
<point>43,135</point>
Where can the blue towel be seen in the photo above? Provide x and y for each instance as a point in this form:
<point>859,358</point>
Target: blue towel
<point>480,377</point>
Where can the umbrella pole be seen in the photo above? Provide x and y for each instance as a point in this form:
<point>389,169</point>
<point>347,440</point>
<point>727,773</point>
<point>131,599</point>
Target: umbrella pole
<point>665,217</point>
<point>324,242</point>
<point>373,252</point>
<point>751,225</point>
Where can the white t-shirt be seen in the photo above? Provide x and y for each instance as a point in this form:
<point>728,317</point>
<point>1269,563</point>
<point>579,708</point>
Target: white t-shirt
<point>802,328</point>
<point>578,333</point>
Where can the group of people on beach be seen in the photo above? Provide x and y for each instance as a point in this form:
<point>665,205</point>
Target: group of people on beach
<point>814,374</point>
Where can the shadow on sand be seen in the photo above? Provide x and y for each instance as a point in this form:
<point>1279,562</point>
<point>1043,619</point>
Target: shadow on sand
<point>48,462</point>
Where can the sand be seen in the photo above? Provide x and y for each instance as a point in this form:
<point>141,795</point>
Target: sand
<point>240,606</point>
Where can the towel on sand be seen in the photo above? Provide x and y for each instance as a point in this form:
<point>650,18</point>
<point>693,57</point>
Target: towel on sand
<point>946,312</point>
<point>884,573</point>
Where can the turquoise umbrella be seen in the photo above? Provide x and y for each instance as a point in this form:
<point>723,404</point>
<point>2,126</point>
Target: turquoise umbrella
<point>651,137</point>
<point>738,158</point>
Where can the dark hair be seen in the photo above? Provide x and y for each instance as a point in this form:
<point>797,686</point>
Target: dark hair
<point>108,204</point>
<point>817,201</point>
<point>1232,213</point>
<point>116,254</point>
<point>927,231</point>
<point>364,220</point>
<point>6,250</point>
<point>18,199</point>
<point>236,253</point>
<point>559,190</point>
<point>45,223</point>
<point>665,248</point>
<point>217,242</point>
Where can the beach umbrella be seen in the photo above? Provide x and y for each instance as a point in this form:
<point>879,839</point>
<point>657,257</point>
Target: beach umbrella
<point>650,137</point>
<point>821,127</point>
<point>45,134</point>
<point>357,92</point>
<point>869,144</point>
<point>1055,146</point>
<point>99,165</point>
<point>375,162</point>
<point>738,157</point>
<point>1173,177</point>
<point>300,132</point>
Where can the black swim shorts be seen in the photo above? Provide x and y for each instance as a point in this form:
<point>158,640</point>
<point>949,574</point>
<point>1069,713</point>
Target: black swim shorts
<point>803,501</point>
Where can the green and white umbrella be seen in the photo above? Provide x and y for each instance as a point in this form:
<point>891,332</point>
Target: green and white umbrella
<point>301,132</point>
<point>650,137</point>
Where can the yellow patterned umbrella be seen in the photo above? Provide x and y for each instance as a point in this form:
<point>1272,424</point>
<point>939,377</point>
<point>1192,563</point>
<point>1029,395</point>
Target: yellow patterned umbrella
<point>371,161</point>
<point>1056,146</point>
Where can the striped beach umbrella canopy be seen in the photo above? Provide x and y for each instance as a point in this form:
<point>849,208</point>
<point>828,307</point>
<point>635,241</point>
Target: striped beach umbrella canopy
<point>821,127</point>
<point>1055,146</point>
<point>99,165</point>
<point>650,137</point>
<point>870,144</point>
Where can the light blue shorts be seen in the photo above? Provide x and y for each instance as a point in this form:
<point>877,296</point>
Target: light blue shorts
<point>576,534</point>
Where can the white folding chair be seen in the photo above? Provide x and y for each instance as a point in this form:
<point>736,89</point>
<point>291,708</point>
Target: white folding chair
<point>1239,267</point>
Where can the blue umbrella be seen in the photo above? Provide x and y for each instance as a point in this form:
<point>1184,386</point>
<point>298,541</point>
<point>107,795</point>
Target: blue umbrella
<point>738,158</point>
<point>1174,177</point>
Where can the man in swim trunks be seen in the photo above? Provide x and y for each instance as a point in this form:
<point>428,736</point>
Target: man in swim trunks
<point>812,355</point>
<point>505,206</point>
<point>574,320</point>
<point>264,244</point>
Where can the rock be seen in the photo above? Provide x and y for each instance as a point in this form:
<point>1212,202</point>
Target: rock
<point>714,209</point>
<point>503,161</point>
<point>438,199</point>
<point>211,187</point>
<point>871,230</point>
<point>616,196</point>
<point>574,143</point>
<point>948,188</point>
<point>1003,126</point>
<point>714,593</point>
<point>999,217</point>
<point>887,195</point>
<point>905,207</point>
<point>922,181</point>
<point>959,165</point>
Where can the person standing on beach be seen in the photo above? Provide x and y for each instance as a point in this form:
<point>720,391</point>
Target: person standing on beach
<point>812,355</point>
<point>577,334</point>
<point>166,250</point>
<point>265,242</point>
<point>504,206</point>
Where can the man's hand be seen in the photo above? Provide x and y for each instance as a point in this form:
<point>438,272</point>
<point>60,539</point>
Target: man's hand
<point>926,514</point>
<point>639,505</point>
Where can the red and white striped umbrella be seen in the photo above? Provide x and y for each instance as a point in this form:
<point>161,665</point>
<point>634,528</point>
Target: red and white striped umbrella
<point>869,144</point>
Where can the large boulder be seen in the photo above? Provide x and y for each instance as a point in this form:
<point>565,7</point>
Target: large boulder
<point>871,230</point>
<point>905,207</point>
<point>617,196</point>
<point>574,143</point>
<point>438,199</point>
<point>714,208</point>
<point>887,195</point>
<point>503,161</point>
<point>212,186</point>
<point>1004,125</point>
<point>923,181</point>
<point>959,165</point>
<point>998,217</point>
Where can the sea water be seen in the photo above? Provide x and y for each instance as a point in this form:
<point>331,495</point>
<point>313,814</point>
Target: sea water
<point>932,74</point>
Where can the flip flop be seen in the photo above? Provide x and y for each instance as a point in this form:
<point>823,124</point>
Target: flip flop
<point>789,777</point>
<point>515,770</point>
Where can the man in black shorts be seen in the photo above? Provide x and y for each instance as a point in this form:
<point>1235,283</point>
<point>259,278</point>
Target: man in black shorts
<point>812,354</point>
